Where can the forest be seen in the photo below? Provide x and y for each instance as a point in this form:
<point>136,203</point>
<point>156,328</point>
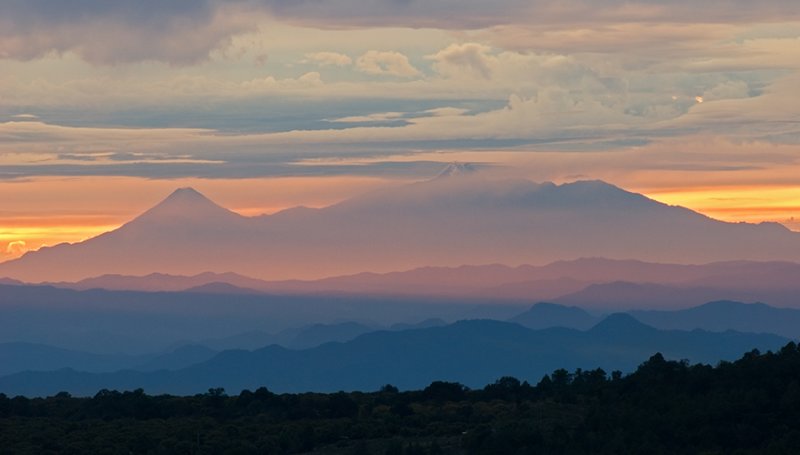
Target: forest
<point>751,405</point>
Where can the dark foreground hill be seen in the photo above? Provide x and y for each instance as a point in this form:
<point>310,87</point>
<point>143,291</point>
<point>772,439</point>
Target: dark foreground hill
<point>746,407</point>
<point>470,352</point>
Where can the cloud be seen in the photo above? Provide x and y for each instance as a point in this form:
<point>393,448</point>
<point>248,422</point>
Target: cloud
<point>727,90</point>
<point>16,248</point>
<point>386,63</point>
<point>406,13</point>
<point>446,111</point>
<point>102,32</point>
<point>376,117</point>
<point>478,14</point>
<point>629,37</point>
<point>472,58</point>
<point>329,59</point>
<point>571,102</point>
<point>177,153</point>
<point>270,84</point>
<point>400,118</point>
<point>182,32</point>
<point>769,116</point>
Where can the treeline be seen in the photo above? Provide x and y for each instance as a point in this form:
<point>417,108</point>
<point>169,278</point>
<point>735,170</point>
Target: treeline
<point>751,405</point>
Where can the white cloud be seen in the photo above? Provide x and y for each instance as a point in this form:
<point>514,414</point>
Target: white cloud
<point>446,111</point>
<point>329,59</point>
<point>16,248</point>
<point>386,63</point>
<point>310,78</point>
<point>376,117</point>
<point>473,58</point>
<point>270,84</point>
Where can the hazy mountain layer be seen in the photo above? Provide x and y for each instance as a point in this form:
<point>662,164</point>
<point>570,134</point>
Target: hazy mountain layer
<point>626,296</point>
<point>599,284</point>
<point>18,357</point>
<point>140,322</point>
<point>455,220</point>
<point>712,317</point>
<point>546,315</point>
<point>471,352</point>
<point>720,316</point>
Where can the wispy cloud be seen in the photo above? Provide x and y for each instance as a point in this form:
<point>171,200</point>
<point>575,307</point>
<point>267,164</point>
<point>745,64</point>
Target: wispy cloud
<point>377,117</point>
<point>16,248</point>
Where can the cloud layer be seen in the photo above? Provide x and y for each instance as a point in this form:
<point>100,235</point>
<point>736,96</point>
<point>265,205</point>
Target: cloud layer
<point>179,31</point>
<point>187,31</point>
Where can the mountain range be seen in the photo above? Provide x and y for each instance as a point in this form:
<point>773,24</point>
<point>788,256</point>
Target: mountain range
<point>419,282</point>
<point>718,316</point>
<point>17,357</point>
<point>569,335</point>
<point>448,221</point>
<point>601,284</point>
<point>131,322</point>
<point>470,352</point>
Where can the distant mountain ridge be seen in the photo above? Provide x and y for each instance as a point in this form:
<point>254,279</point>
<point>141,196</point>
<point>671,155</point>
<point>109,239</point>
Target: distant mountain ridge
<point>471,352</point>
<point>589,283</point>
<point>726,315</point>
<point>545,315</point>
<point>621,295</point>
<point>717,316</point>
<point>17,357</point>
<point>618,332</point>
<point>159,282</point>
<point>104,321</point>
<point>462,219</point>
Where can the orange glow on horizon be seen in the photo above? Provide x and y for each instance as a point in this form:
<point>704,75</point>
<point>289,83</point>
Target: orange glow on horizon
<point>17,238</point>
<point>752,204</point>
<point>44,212</point>
<point>48,211</point>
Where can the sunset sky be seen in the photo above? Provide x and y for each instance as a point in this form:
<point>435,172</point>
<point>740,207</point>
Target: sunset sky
<point>107,106</point>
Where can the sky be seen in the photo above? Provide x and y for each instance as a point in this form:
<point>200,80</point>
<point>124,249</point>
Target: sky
<point>107,106</point>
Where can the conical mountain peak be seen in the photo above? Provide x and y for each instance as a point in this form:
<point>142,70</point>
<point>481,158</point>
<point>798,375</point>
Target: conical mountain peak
<point>457,169</point>
<point>184,204</point>
<point>186,192</point>
<point>187,197</point>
